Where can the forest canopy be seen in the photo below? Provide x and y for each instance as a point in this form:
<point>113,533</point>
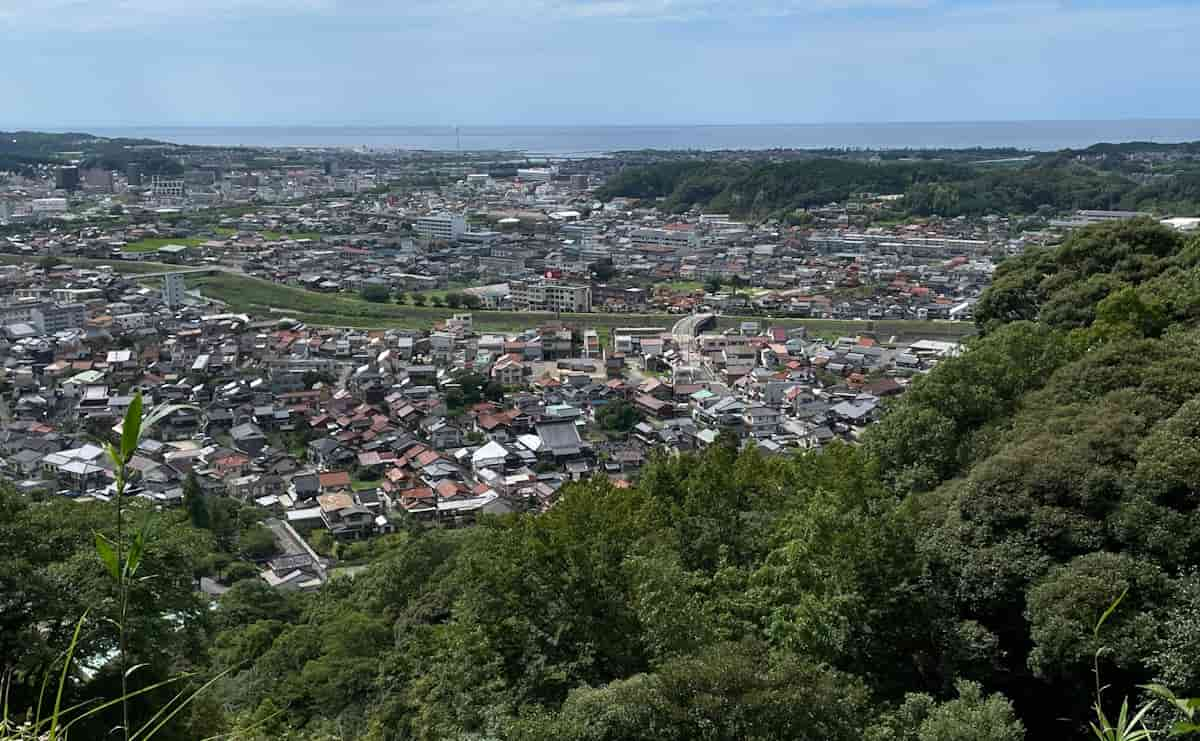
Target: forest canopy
<point>1059,182</point>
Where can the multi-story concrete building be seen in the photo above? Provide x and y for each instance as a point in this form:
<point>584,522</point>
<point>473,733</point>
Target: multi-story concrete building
<point>98,180</point>
<point>168,188</point>
<point>543,295</point>
<point>172,289</point>
<point>534,174</point>
<point>48,205</point>
<point>45,317</point>
<point>680,239</point>
<point>131,321</point>
<point>51,318</point>
<point>441,226</point>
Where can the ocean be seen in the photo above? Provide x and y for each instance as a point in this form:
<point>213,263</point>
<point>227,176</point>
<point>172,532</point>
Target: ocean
<point>582,141</point>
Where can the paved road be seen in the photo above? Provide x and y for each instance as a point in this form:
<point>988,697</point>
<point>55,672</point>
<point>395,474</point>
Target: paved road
<point>685,331</point>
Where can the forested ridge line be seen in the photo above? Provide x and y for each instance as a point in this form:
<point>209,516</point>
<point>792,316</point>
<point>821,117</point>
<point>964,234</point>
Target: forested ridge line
<point>1046,184</point>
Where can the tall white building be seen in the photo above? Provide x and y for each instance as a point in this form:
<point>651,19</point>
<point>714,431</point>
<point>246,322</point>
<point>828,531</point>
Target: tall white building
<point>49,205</point>
<point>441,226</point>
<point>534,174</point>
<point>168,188</point>
<point>172,290</point>
<point>680,239</point>
<point>542,295</point>
<point>51,318</point>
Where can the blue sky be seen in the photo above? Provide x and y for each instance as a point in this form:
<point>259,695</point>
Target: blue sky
<point>562,62</point>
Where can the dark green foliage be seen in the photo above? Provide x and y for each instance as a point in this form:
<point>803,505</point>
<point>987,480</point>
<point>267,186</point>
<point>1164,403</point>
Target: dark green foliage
<point>50,575</point>
<point>256,542</point>
<point>375,293</point>
<point>730,692</point>
<point>972,716</point>
<point>1065,287</point>
<point>930,187</point>
<point>195,504</point>
<point>620,416</point>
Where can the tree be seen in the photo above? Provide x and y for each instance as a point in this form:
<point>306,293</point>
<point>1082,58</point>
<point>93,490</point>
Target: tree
<point>401,297</point>
<point>375,293</point>
<point>454,300</point>
<point>713,284</point>
<point>971,716</point>
<point>419,299</point>
<point>471,301</point>
<point>195,503</point>
<point>731,691</point>
<point>49,262</point>
<point>312,378</point>
<point>603,270</point>
<point>437,300</point>
<point>493,391</point>
<point>257,543</point>
<point>619,416</point>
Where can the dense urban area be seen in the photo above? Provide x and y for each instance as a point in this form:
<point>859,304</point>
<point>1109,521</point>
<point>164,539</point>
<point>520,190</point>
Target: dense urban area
<point>657,445</point>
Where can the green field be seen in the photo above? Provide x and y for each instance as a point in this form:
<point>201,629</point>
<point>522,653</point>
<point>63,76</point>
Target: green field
<point>150,245</point>
<point>682,286</point>
<point>119,266</point>
<point>264,298</point>
<point>271,236</point>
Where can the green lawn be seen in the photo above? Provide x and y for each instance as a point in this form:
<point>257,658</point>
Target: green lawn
<point>119,266</point>
<point>225,231</point>
<point>362,485</point>
<point>264,298</point>
<point>150,245</point>
<point>682,286</point>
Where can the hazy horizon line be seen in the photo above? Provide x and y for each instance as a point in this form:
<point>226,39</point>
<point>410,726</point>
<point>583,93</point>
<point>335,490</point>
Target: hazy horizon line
<point>81,127</point>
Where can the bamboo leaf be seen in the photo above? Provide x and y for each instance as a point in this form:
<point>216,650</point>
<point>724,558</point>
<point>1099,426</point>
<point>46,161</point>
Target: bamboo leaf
<point>131,429</point>
<point>164,410</point>
<point>108,555</point>
<point>137,549</point>
<point>114,455</point>
<point>62,678</point>
<point>1108,613</point>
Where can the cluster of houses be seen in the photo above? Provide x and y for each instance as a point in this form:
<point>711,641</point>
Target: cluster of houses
<point>356,432</point>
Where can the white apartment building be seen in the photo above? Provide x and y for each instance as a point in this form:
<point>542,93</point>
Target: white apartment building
<point>534,174</point>
<point>680,239</point>
<point>172,289</point>
<point>134,320</point>
<point>162,188</point>
<point>545,295</point>
<point>52,318</point>
<point>441,226</point>
<point>75,295</point>
<point>48,205</point>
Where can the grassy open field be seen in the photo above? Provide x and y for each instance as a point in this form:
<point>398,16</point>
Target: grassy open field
<point>272,236</point>
<point>264,298</point>
<point>260,297</point>
<point>119,266</point>
<point>150,245</point>
<point>682,286</point>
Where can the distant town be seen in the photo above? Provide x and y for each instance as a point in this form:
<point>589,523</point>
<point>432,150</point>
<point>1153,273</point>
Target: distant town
<point>360,341</point>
